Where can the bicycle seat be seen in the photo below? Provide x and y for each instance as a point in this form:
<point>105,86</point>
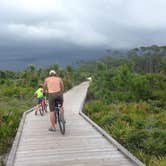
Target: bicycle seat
<point>58,104</point>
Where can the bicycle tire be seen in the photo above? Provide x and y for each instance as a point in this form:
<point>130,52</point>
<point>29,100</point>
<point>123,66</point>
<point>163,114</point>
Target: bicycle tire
<point>45,107</point>
<point>41,111</point>
<point>61,122</point>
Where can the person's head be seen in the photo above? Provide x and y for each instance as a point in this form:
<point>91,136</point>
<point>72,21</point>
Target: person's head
<point>40,85</point>
<point>52,73</point>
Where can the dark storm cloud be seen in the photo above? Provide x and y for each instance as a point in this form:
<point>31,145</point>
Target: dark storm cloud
<point>48,27</point>
<point>84,23</point>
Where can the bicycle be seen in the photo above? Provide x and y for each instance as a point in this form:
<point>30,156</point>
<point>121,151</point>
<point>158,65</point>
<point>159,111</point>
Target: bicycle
<point>42,107</point>
<point>59,116</point>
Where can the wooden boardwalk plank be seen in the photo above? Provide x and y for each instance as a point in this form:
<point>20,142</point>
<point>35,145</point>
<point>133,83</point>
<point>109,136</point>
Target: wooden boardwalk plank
<point>81,145</point>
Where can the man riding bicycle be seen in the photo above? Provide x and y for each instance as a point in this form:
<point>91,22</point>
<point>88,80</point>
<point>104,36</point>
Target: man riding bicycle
<point>55,88</point>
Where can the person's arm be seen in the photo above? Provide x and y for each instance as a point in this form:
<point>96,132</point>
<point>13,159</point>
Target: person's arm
<point>42,90</point>
<point>61,84</point>
<point>45,86</point>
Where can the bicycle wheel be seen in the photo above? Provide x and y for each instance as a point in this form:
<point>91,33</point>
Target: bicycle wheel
<point>44,106</point>
<point>61,122</point>
<point>41,111</point>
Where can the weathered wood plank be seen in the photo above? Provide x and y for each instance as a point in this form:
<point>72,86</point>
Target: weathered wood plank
<point>81,145</point>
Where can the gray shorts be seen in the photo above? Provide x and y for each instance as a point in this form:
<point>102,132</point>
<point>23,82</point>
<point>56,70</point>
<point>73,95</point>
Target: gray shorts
<point>54,99</point>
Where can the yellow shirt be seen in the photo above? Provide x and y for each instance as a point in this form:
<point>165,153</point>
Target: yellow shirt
<point>39,92</point>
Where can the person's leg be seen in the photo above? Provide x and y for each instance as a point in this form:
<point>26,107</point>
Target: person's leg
<point>42,104</point>
<point>37,106</point>
<point>61,101</point>
<point>36,110</point>
<point>52,109</point>
<point>45,104</point>
<point>62,107</point>
<point>52,120</point>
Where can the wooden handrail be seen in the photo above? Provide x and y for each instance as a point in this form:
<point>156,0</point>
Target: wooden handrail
<point>12,154</point>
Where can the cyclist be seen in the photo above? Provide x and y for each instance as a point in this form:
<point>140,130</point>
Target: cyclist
<point>55,88</point>
<point>39,97</point>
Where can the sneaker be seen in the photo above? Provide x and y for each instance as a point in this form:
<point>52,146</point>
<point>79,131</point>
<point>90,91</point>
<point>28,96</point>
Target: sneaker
<point>52,129</point>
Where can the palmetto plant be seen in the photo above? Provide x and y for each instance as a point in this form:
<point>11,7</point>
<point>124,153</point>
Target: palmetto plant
<point>135,126</point>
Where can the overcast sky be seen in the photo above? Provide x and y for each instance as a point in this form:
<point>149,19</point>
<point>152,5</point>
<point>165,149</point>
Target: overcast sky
<point>82,24</point>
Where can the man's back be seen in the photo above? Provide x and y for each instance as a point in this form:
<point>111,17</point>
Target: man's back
<point>53,84</point>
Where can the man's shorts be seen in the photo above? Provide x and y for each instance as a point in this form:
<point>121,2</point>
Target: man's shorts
<point>54,99</point>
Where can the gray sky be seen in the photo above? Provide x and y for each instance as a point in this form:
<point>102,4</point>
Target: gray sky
<point>83,24</point>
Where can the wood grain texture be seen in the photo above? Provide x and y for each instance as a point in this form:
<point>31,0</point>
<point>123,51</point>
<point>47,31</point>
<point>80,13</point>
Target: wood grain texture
<point>81,145</point>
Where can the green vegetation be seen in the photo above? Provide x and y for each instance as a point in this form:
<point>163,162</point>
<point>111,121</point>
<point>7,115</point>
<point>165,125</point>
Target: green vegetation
<point>126,98</point>
<point>17,95</point>
<point>128,101</point>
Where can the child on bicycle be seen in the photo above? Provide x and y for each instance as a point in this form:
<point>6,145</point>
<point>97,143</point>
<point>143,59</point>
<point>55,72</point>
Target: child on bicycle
<point>39,97</point>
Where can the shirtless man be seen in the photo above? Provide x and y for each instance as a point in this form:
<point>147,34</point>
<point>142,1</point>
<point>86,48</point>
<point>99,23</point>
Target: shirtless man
<point>55,88</point>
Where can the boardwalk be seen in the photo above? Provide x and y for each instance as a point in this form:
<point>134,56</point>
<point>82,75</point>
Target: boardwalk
<point>81,145</point>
